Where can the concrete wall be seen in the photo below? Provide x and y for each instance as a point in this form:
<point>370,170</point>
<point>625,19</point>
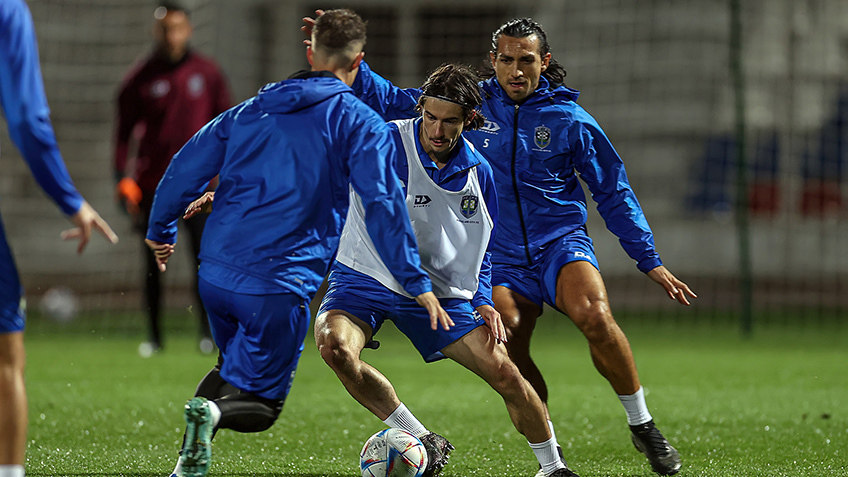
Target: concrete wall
<point>655,74</point>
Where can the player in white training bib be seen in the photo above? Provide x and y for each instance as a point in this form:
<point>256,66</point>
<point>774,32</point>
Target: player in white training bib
<point>451,201</point>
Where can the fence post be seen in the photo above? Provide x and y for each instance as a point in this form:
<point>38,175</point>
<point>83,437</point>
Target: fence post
<point>737,74</point>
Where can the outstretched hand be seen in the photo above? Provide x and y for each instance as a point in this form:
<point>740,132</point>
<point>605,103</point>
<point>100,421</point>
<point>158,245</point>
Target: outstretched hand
<point>493,321</point>
<point>676,289</point>
<point>85,220</point>
<point>438,316</point>
<point>308,23</point>
<point>200,205</point>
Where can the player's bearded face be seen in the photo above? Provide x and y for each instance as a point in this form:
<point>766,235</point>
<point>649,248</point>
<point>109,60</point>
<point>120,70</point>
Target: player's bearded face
<point>441,126</point>
<point>518,65</point>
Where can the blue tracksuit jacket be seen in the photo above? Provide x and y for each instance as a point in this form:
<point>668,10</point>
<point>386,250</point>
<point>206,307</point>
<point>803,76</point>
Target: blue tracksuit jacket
<point>536,150</point>
<point>285,160</point>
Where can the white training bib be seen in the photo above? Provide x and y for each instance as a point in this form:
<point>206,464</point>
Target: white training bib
<point>452,229</point>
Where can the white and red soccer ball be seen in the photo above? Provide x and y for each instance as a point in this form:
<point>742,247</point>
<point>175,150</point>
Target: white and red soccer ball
<point>393,453</point>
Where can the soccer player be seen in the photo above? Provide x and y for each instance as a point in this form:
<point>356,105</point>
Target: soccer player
<point>163,101</point>
<point>28,117</point>
<point>451,200</point>
<point>286,159</point>
<point>537,140</point>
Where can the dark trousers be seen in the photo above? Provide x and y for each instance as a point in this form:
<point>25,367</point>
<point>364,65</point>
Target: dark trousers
<point>153,282</point>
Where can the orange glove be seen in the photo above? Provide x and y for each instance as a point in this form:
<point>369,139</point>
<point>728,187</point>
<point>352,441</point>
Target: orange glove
<point>129,193</point>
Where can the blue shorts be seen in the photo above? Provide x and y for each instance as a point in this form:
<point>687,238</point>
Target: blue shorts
<point>12,311</point>
<point>371,302</point>
<point>260,337</point>
<point>538,282</point>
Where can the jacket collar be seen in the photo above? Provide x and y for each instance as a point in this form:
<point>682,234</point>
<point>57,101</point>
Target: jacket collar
<point>544,92</point>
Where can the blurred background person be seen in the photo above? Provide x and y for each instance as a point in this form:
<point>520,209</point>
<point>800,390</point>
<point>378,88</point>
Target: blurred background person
<point>27,114</point>
<point>164,99</point>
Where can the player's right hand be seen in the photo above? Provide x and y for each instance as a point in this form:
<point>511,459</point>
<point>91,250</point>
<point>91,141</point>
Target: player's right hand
<point>438,316</point>
<point>308,23</point>
<point>162,251</point>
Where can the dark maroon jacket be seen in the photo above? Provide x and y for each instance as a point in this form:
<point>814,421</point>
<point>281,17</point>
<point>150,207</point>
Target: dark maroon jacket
<point>162,105</point>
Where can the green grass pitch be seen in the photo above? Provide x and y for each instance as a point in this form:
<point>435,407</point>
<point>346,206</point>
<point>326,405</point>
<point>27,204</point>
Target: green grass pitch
<point>776,405</point>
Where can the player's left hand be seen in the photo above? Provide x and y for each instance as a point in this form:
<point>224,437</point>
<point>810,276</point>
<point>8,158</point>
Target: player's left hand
<point>200,205</point>
<point>162,252</point>
<point>493,320</point>
<point>676,289</point>
<point>86,219</point>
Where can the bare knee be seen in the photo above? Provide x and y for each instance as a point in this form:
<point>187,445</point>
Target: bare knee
<point>596,323</point>
<point>337,353</point>
<point>504,377</point>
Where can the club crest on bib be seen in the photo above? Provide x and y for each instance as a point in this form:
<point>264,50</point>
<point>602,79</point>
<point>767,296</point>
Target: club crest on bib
<point>542,137</point>
<point>468,205</point>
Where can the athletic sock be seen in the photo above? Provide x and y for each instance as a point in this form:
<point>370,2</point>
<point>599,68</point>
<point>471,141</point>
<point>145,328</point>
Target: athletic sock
<point>179,467</point>
<point>11,471</point>
<point>215,411</point>
<point>547,455</point>
<point>551,427</point>
<point>403,419</point>
<point>635,407</point>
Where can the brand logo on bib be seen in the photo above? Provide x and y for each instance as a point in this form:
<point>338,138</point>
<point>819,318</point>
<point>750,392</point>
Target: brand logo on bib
<point>422,200</point>
<point>468,205</point>
<point>490,127</point>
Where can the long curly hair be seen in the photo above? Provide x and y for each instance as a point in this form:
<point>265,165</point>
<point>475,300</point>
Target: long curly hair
<point>522,28</point>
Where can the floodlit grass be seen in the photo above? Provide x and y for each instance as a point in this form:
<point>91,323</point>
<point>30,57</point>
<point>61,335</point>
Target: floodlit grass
<point>771,406</point>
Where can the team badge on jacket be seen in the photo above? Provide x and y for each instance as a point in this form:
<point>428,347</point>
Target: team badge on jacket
<point>542,138</point>
<point>468,205</point>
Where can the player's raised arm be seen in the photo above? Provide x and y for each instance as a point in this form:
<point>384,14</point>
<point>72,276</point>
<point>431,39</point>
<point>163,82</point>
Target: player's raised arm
<point>186,178</point>
<point>386,217</point>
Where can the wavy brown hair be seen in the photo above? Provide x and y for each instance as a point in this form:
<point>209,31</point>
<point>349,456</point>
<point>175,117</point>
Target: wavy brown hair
<point>458,84</point>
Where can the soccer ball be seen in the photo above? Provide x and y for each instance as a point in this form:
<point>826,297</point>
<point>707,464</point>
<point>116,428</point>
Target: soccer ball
<point>393,453</point>
<point>59,304</point>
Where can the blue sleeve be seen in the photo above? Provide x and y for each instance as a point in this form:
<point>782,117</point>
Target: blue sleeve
<point>603,171</point>
<point>371,151</point>
<point>484,288</point>
<point>25,106</point>
<point>388,100</point>
<point>187,176</point>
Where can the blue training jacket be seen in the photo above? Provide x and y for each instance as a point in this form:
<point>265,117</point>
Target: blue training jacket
<point>25,106</point>
<point>285,160</point>
<point>536,150</point>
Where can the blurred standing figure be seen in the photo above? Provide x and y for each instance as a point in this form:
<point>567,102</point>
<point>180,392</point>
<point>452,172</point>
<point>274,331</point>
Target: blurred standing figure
<point>162,102</point>
<point>27,114</point>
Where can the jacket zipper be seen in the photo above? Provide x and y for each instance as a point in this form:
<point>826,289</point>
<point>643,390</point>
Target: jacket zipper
<point>515,186</point>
